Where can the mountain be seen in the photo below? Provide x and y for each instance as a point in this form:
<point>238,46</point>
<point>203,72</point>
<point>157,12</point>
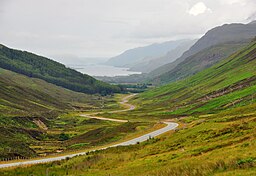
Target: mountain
<point>188,67</point>
<point>132,56</point>
<point>197,62</point>
<point>229,83</point>
<point>36,66</point>
<point>229,35</point>
<point>148,65</point>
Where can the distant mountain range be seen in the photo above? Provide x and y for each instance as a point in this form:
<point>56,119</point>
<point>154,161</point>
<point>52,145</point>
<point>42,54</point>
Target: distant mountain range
<point>131,57</point>
<point>148,65</point>
<point>217,44</point>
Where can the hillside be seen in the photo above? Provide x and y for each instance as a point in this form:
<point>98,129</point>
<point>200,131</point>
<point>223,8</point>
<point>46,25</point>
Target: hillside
<point>36,66</point>
<point>228,34</point>
<point>130,57</point>
<point>216,112</point>
<point>24,96</point>
<point>38,118</point>
<point>27,102</point>
<point>197,62</point>
<point>229,83</point>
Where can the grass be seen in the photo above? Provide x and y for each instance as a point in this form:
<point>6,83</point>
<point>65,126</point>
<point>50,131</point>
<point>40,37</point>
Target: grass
<point>207,146</point>
<point>25,101</point>
<point>228,84</point>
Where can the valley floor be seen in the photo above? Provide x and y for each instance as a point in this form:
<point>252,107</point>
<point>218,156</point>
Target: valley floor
<point>213,144</point>
<point>169,126</point>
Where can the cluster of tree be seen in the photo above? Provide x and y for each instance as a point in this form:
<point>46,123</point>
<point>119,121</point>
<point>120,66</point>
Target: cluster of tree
<point>135,88</point>
<point>53,72</point>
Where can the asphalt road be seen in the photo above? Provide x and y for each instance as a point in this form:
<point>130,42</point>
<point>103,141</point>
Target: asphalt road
<point>170,126</point>
<point>123,102</point>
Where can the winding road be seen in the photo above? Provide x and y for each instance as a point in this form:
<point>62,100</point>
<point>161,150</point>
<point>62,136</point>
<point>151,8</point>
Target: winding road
<point>169,126</point>
<point>124,102</point>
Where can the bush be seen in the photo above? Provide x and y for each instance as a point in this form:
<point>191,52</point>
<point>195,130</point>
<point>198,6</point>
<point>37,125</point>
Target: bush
<point>64,137</point>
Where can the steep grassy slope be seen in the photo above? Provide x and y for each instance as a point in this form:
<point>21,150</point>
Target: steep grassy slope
<point>53,72</point>
<point>21,95</point>
<point>228,84</point>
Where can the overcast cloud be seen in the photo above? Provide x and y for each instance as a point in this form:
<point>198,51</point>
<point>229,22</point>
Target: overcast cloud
<point>104,28</point>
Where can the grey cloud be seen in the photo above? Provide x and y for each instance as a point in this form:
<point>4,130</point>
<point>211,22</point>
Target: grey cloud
<point>100,28</point>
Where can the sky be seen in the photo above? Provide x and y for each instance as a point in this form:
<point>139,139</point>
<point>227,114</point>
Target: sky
<point>69,29</point>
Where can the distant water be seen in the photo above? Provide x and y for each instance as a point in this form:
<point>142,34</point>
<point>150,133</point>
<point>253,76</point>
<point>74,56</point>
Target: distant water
<point>103,70</point>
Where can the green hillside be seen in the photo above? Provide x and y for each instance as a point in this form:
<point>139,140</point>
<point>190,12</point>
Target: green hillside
<point>36,66</point>
<point>216,136</point>
<point>195,63</point>
<point>21,95</point>
<point>30,111</point>
<point>229,83</point>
